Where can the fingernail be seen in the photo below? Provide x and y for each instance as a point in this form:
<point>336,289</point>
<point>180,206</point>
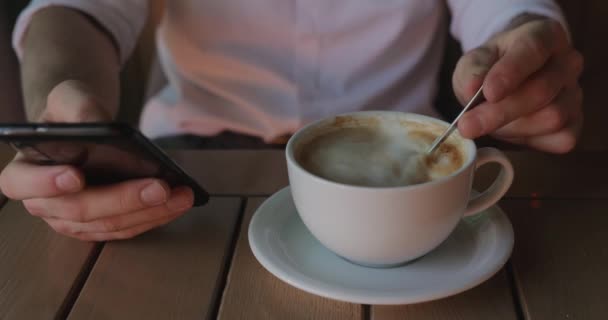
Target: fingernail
<point>181,202</point>
<point>473,127</point>
<point>67,181</point>
<point>153,194</point>
<point>479,70</point>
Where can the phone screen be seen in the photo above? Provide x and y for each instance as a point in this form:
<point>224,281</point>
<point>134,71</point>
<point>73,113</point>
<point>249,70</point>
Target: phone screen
<point>105,153</point>
<point>102,162</point>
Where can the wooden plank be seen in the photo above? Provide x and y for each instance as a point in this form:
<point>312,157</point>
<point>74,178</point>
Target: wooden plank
<point>253,293</point>
<point>490,300</point>
<point>248,172</point>
<point>236,172</point>
<point>561,257</point>
<point>575,175</point>
<point>38,267</point>
<point>173,272</point>
<point>581,175</point>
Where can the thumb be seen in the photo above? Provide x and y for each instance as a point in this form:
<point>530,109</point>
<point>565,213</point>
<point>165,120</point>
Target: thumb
<point>73,101</point>
<point>471,70</point>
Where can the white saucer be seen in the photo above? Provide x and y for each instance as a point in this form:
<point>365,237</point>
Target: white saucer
<point>475,251</point>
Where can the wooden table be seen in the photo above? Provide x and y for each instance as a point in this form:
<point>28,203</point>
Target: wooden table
<point>201,267</point>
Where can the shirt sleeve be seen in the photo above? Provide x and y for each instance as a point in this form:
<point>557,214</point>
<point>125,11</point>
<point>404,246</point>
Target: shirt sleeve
<point>476,21</point>
<point>123,19</point>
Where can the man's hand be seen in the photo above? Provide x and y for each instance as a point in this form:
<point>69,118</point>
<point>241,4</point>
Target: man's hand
<point>60,196</point>
<point>530,75</point>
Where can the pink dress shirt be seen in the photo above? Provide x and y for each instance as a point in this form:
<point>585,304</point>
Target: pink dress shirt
<point>267,67</point>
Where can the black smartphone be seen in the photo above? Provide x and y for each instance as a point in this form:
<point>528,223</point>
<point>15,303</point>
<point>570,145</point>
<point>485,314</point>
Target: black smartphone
<point>105,152</point>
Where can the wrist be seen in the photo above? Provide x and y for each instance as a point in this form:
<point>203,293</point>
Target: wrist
<point>525,18</point>
<point>61,44</point>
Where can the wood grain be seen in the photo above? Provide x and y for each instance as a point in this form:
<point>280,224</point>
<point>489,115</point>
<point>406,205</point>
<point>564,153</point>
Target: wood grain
<point>561,257</point>
<point>38,267</point>
<point>170,273</point>
<point>581,175</point>
<point>490,300</point>
<point>238,172</point>
<point>577,175</point>
<point>253,293</point>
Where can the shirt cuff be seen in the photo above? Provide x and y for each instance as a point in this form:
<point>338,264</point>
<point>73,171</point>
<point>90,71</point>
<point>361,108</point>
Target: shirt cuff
<point>123,20</point>
<point>501,21</point>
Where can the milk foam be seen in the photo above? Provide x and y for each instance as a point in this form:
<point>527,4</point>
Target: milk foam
<point>381,156</point>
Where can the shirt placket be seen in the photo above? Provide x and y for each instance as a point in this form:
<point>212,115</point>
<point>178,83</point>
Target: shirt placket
<point>307,55</point>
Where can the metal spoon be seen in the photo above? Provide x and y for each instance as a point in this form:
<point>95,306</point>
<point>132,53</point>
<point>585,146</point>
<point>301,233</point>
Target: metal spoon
<point>477,98</point>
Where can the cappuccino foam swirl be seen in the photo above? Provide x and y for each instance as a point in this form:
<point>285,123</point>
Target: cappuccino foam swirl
<point>367,157</point>
<point>386,155</point>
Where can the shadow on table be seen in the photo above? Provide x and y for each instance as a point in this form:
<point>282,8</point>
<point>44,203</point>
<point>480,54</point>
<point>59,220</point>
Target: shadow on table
<point>222,141</point>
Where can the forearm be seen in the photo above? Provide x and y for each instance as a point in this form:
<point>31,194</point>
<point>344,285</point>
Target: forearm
<point>474,22</point>
<point>64,44</point>
<point>524,18</point>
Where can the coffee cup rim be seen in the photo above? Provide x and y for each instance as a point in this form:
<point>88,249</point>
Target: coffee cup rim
<point>469,147</point>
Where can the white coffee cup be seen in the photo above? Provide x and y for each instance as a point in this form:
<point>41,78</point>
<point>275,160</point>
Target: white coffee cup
<point>388,226</point>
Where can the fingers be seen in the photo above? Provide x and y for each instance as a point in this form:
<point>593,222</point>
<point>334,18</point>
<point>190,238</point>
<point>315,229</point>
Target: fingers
<point>471,70</point>
<point>121,222</point>
<point>125,225</point>
<point>21,180</point>
<point>107,201</point>
<point>128,233</point>
<point>119,234</point>
<point>113,200</point>
<point>559,142</point>
<point>552,118</point>
<point>524,51</point>
<point>533,95</point>
<point>72,101</point>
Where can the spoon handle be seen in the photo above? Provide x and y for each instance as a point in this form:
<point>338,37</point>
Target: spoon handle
<point>477,98</point>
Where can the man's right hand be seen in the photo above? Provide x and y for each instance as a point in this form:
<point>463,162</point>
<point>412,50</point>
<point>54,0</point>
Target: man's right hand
<point>59,194</point>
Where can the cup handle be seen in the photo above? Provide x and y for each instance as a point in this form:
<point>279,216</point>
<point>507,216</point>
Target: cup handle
<point>498,188</point>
